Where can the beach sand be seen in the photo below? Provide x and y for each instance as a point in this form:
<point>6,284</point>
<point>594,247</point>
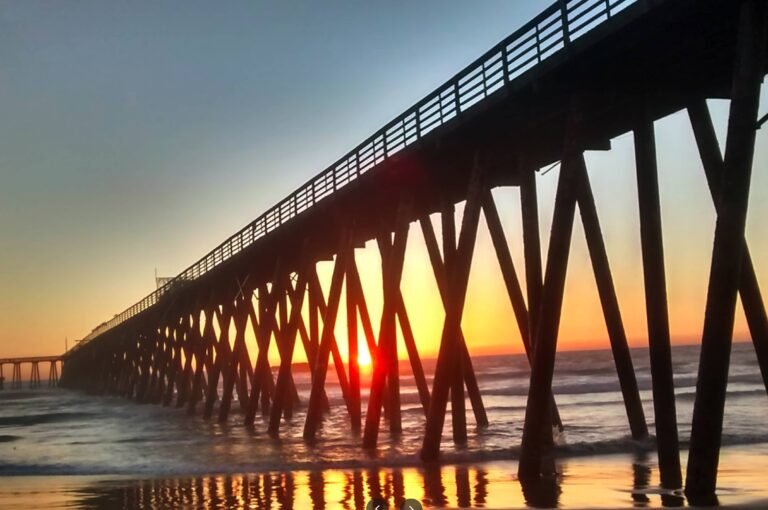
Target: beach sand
<point>604,481</point>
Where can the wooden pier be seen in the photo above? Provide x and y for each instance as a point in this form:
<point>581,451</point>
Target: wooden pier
<point>34,377</point>
<point>579,74</point>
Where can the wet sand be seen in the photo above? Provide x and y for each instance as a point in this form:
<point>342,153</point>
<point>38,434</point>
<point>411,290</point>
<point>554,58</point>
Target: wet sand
<point>606,481</point>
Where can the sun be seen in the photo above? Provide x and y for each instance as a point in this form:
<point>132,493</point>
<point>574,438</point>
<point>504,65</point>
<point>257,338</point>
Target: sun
<point>363,356</point>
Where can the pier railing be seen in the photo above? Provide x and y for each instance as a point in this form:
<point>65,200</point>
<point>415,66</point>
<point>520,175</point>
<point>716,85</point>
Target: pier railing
<point>550,32</point>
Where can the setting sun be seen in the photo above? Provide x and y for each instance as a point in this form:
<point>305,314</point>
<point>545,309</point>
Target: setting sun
<point>363,356</point>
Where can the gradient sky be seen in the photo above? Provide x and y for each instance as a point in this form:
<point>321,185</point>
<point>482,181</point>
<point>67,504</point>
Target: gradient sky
<point>136,136</point>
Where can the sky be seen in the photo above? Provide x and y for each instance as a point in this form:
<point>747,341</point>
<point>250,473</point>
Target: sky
<point>136,136</point>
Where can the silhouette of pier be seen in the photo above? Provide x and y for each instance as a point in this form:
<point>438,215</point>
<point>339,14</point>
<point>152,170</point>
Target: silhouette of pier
<point>577,75</point>
<point>34,376</point>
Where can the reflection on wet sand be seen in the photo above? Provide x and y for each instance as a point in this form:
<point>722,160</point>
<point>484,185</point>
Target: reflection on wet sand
<point>490,485</point>
<point>641,473</point>
<point>436,486</point>
<point>542,492</point>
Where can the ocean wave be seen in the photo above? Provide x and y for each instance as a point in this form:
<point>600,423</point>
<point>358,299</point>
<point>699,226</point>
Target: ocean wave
<point>24,395</point>
<point>682,388</point>
<point>610,446</point>
<point>11,469</point>
<point>8,438</point>
<point>690,396</point>
<point>37,419</point>
<point>563,452</point>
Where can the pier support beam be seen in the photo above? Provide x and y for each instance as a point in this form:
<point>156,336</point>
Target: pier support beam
<point>458,407</point>
<point>441,278</point>
<point>204,347</point>
<point>355,286</point>
<point>157,365</point>
<point>322,307</point>
<point>727,256</point>
<point>392,260</point>
<point>514,290</point>
<point>529,206</point>
<point>283,396</point>
<point>144,377</point>
<point>223,317</point>
<point>456,293</point>
<point>262,384</point>
<point>192,352</point>
<point>355,406</point>
<point>314,409</point>
<point>749,289</point>
<point>413,355</point>
<point>34,378</point>
<point>177,340</point>
<point>16,381</point>
<point>311,337</point>
<point>537,413</point>
<point>239,357</point>
<point>385,378</point>
<point>610,304</point>
<point>652,245</point>
<point>53,375</point>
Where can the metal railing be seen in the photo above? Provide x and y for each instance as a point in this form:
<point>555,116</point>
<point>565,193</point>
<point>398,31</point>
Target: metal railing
<point>548,33</point>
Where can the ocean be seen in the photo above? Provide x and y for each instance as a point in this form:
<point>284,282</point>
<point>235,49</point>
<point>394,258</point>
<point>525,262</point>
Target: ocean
<point>78,450</point>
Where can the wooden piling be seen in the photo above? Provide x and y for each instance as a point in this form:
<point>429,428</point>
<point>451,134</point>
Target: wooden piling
<point>385,370</point>
<point>187,347</point>
<point>610,303</point>
<point>438,268</point>
<point>157,358</point>
<point>263,374</point>
<point>749,289</point>
<point>529,207</point>
<point>652,247</point>
<point>176,340</point>
<point>537,413</point>
<point>204,346</point>
<point>145,363</point>
<point>455,297</point>
<point>514,290</point>
<point>263,326</point>
<point>392,259</point>
<point>16,381</point>
<point>727,255</point>
<point>314,408</point>
<point>242,305</point>
<point>283,396</point>
<point>355,414</point>
<point>413,354</point>
<point>458,407</point>
<point>338,363</point>
<point>310,337</point>
<point>223,317</point>
<point>507,266</point>
<point>353,279</point>
<point>53,375</point>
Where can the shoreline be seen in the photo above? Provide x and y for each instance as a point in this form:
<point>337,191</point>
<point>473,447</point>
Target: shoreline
<point>616,480</point>
<point>562,454</point>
